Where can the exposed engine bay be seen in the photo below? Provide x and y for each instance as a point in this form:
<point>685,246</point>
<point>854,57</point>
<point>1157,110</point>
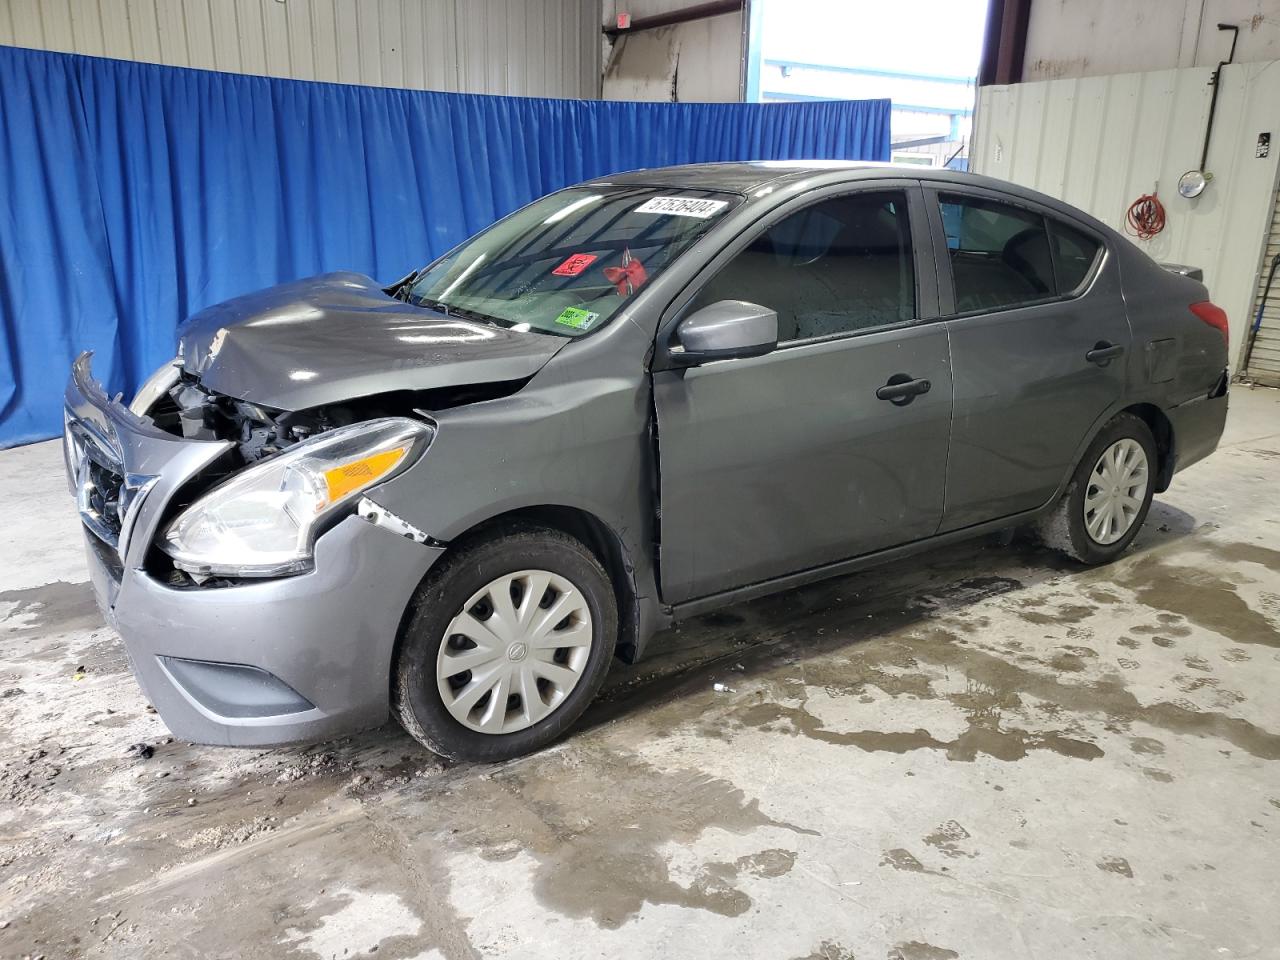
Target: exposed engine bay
<point>189,410</point>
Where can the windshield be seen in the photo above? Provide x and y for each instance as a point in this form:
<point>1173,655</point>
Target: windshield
<point>566,263</point>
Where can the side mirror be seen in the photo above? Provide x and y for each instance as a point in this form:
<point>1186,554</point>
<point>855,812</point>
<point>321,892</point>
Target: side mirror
<point>727,330</point>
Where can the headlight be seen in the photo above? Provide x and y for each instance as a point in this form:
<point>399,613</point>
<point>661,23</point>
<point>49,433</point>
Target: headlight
<point>262,522</point>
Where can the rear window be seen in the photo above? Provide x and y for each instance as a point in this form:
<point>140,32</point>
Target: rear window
<point>1074,253</point>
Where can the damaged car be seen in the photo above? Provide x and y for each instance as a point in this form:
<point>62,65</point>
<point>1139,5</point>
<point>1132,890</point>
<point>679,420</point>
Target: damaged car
<point>454,500</point>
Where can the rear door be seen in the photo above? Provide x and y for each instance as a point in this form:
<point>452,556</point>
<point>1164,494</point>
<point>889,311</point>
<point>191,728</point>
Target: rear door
<point>1039,338</point>
<point>776,464</point>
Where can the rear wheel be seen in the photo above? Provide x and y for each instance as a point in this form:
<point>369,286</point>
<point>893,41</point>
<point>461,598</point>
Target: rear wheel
<point>506,644</point>
<point>1109,495</point>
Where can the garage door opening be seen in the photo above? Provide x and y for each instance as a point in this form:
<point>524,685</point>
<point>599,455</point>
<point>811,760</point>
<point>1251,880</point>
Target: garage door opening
<point>921,54</point>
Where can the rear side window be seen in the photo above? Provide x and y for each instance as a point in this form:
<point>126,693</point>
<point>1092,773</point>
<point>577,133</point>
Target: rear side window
<point>999,254</point>
<point>1074,253</point>
<point>1003,256</point>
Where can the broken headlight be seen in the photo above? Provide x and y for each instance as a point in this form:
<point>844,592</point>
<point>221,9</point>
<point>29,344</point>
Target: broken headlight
<point>262,522</point>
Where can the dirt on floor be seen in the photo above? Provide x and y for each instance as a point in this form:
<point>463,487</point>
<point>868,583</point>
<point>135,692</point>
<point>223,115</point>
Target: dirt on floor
<point>985,752</point>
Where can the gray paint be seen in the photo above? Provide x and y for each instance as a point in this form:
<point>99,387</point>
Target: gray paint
<point>1024,392</point>
<point>750,493</point>
<point>769,471</point>
<point>273,625</point>
<point>725,330</point>
<point>339,336</point>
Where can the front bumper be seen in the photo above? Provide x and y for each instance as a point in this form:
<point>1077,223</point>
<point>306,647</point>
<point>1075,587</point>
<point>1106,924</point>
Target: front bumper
<point>258,663</point>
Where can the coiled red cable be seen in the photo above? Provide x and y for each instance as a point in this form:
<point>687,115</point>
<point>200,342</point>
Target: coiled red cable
<point>1145,217</point>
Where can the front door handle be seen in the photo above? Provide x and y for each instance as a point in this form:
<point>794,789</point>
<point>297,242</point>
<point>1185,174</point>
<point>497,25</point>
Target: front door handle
<point>902,389</point>
<point>1104,352</point>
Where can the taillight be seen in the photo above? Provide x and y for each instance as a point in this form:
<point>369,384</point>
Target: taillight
<point>1214,316</point>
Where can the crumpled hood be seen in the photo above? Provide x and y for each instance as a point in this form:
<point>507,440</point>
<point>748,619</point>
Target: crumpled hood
<point>338,336</point>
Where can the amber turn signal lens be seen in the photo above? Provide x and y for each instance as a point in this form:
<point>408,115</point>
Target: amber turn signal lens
<point>357,474</point>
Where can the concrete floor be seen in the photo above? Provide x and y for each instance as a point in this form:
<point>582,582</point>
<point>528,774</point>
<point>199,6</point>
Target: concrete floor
<point>987,752</point>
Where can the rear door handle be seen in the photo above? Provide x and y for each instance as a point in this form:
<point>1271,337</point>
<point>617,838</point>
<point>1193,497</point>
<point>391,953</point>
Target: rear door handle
<point>902,389</point>
<point>1104,352</point>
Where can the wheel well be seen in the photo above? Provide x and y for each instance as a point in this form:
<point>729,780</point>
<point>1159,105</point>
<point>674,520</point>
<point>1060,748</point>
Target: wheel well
<point>593,533</point>
<point>1162,430</point>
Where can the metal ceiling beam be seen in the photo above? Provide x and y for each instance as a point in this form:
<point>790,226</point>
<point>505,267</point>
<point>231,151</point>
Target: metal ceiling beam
<point>699,11</point>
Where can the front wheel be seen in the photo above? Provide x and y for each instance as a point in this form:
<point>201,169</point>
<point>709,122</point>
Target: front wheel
<point>1109,495</point>
<point>507,642</point>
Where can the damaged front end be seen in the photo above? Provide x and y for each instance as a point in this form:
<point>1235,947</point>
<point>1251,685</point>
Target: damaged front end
<point>189,491</point>
<point>284,477</point>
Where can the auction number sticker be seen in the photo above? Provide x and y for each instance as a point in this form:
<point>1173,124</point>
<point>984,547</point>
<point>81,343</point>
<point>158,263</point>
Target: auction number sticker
<point>683,207</point>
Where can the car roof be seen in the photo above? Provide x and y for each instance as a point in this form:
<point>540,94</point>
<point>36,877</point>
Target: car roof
<point>751,176</point>
<point>737,177</point>
<point>748,175</point>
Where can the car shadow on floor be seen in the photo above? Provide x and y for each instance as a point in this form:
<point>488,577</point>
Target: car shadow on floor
<point>843,613</point>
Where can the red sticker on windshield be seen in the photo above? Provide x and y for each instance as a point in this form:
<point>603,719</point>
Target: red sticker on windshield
<point>574,265</point>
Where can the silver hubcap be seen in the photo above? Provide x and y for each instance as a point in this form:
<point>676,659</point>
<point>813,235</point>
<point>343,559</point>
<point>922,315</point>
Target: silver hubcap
<point>514,651</point>
<point>1117,487</point>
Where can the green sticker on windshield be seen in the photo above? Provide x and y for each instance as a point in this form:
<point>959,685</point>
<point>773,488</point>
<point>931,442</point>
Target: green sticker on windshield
<point>577,318</point>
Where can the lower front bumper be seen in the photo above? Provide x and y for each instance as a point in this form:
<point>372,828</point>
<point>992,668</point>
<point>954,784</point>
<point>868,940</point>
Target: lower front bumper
<point>327,636</point>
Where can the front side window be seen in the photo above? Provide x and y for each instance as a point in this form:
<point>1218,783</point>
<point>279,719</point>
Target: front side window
<point>839,266</point>
<point>566,263</point>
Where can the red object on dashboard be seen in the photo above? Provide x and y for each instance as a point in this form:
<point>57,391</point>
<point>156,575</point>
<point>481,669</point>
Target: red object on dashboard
<point>629,277</point>
<point>575,264</point>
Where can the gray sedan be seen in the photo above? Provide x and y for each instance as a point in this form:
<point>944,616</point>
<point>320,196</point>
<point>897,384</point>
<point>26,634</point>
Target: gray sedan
<point>455,499</point>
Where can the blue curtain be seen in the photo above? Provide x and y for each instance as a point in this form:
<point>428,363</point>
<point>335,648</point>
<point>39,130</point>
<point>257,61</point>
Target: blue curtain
<point>132,195</point>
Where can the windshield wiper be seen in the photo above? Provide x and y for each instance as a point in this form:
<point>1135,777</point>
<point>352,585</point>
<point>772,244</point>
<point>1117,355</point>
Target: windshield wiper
<point>478,317</point>
<point>401,288</point>
<point>451,311</point>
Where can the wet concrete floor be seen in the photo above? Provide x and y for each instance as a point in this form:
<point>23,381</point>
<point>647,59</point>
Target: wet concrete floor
<point>985,752</point>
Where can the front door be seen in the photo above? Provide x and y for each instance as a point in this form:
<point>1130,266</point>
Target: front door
<point>781,463</point>
<point>1039,341</point>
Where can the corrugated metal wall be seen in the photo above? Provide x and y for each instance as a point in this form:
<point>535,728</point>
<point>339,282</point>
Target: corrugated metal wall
<point>540,48</point>
<point>1101,142</point>
<point>1094,38</point>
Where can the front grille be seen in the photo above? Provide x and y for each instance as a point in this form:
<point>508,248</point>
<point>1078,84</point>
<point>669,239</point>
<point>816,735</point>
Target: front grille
<point>99,484</point>
<point>103,495</point>
<point>107,556</point>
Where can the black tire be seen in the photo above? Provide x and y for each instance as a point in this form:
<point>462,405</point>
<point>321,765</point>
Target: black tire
<point>1063,528</point>
<point>416,699</point>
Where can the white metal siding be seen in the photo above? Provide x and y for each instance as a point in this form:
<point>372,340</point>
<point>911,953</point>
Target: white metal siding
<point>1093,38</point>
<point>1264,358</point>
<point>537,48</point>
<point>1101,142</point>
